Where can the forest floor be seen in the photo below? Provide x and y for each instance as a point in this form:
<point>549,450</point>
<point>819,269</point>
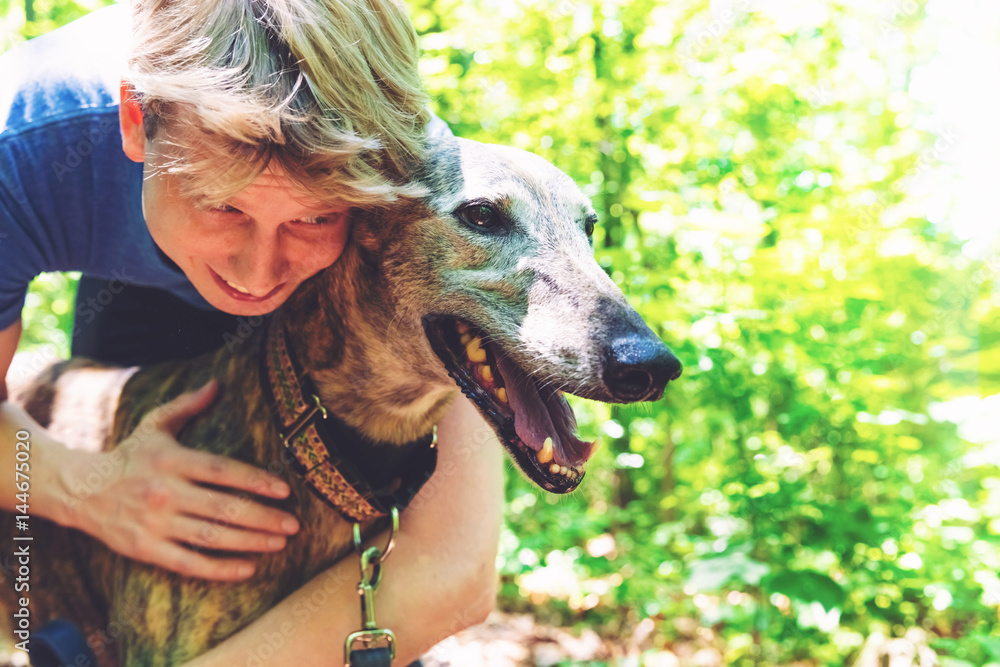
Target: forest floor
<point>517,640</point>
<point>509,640</point>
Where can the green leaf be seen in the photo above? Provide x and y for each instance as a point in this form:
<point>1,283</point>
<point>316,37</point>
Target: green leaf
<point>948,661</point>
<point>711,574</point>
<point>808,586</point>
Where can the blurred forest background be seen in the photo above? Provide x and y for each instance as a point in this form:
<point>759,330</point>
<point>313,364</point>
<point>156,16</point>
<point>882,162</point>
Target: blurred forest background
<point>781,197</point>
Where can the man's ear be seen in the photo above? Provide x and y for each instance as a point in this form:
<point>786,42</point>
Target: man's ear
<point>130,121</point>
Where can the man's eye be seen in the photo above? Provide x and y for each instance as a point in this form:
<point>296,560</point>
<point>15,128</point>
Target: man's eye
<point>226,209</point>
<point>317,220</point>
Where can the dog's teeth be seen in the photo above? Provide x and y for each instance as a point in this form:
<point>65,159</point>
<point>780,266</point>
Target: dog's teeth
<point>462,327</point>
<point>554,469</point>
<point>475,351</point>
<point>502,394</point>
<point>486,372</point>
<point>545,453</point>
<point>466,337</point>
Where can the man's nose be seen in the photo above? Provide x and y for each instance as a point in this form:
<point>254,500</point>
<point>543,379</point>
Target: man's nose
<point>262,262</point>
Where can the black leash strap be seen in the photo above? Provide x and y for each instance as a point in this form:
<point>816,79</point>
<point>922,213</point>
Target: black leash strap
<point>371,657</point>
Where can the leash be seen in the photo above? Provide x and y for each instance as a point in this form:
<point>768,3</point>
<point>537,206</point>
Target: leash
<point>324,451</point>
<point>371,576</point>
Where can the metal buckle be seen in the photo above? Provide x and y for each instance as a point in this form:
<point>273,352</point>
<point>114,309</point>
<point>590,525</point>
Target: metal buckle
<point>302,421</point>
<point>383,554</point>
<point>367,637</point>
<point>371,576</point>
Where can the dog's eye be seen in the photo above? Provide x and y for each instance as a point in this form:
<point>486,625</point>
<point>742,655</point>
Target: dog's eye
<point>479,216</point>
<point>588,225</point>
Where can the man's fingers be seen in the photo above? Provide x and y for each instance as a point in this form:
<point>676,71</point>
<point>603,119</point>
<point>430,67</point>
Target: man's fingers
<point>190,563</point>
<point>235,511</point>
<point>172,416</point>
<point>222,471</point>
<point>212,535</point>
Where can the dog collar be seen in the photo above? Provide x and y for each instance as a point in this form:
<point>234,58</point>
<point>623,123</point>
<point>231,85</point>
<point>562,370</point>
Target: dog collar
<point>323,448</point>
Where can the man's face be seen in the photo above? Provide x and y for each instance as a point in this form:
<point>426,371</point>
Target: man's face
<point>247,256</point>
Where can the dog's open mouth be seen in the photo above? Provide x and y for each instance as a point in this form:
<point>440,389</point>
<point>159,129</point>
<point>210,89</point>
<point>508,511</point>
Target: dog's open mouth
<point>533,420</point>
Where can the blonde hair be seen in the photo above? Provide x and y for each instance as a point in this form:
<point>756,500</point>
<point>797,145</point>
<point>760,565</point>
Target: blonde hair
<point>325,90</point>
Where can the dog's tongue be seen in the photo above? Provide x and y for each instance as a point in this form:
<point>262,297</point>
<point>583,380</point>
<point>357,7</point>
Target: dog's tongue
<point>540,414</point>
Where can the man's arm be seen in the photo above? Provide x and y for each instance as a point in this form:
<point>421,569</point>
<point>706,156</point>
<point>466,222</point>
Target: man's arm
<point>134,507</point>
<point>439,579</point>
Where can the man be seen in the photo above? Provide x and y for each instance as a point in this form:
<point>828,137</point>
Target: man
<point>209,176</point>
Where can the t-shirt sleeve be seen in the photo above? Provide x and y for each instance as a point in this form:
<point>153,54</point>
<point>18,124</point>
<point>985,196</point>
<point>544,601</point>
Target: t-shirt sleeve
<point>20,259</point>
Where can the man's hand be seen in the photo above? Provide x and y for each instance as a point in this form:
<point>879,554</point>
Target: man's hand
<point>147,504</point>
<point>440,579</point>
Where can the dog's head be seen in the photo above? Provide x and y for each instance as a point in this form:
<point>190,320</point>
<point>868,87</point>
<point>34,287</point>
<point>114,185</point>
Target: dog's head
<point>498,269</point>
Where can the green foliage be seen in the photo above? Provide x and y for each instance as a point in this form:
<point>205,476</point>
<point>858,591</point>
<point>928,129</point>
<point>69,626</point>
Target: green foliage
<point>805,484</point>
<point>48,313</point>
<point>24,19</point>
<point>793,486</point>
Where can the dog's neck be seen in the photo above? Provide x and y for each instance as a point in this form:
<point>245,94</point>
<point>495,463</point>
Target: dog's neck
<point>372,364</point>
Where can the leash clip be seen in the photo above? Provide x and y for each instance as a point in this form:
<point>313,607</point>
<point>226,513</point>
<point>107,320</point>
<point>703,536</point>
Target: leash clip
<point>302,421</point>
<point>371,576</point>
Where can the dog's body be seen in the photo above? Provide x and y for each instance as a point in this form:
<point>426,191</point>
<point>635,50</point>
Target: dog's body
<point>367,331</point>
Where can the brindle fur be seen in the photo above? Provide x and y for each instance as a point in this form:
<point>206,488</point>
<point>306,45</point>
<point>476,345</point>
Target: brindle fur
<point>357,328</point>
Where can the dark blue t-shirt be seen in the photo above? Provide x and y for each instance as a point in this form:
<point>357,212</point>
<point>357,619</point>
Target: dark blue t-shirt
<point>70,200</point>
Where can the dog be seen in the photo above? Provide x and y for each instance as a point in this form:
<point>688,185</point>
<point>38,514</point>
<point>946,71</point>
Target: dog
<point>482,281</point>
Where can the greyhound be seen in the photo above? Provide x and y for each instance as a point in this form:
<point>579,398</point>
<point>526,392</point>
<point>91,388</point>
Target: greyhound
<point>483,281</point>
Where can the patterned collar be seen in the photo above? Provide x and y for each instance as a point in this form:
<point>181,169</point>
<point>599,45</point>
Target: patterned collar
<point>318,441</point>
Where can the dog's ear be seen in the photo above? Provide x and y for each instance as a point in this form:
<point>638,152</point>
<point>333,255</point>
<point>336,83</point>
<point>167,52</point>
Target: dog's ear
<point>441,171</point>
<point>438,172</point>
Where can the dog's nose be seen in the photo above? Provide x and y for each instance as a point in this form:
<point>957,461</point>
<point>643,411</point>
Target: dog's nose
<point>637,368</point>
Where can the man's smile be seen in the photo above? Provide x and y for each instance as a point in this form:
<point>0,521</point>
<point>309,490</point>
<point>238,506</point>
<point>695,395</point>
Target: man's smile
<point>240,293</point>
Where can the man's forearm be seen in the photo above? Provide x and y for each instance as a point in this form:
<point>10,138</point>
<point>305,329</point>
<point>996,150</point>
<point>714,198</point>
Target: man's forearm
<point>42,454</point>
<point>440,579</point>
